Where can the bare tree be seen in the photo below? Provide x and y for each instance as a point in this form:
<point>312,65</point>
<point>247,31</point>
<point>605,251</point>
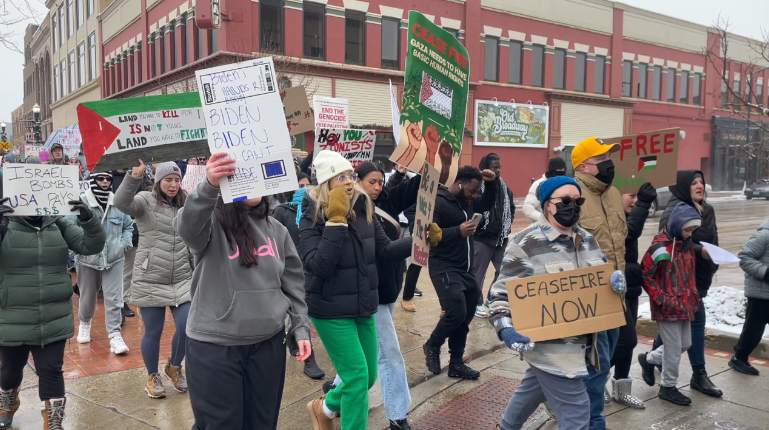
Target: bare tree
<point>16,12</point>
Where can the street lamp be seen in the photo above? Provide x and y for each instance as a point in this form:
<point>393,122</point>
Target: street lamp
<point>36,126</point>
<point>3,137</point>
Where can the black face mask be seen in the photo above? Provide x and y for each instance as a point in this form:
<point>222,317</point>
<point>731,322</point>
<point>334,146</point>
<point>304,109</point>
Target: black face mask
<point>553,173</point>
<point>605,171</point>
<point>567,216</point>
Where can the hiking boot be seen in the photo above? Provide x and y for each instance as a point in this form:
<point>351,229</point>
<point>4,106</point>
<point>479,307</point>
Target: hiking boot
<point>739,366</point>
<point>328,386</point>
<point>400,425</point>
<point>481,312</point>
<point>672,395</point>
<point>647,370</point>
<point>176,375</point>
<point>154,387</point>
<point>53,414</point>
<point>621,389</point>
<point>311,368</point>
<point>702,383</point>
<point>463,371</point>
<point>417,292</point>
<point>127,312</point>
<point>9,404</point>
<point>318,418</point>
<point>84,333</point>
<point>408,306</point>
<point>116,344</point>
<point>432,359</point>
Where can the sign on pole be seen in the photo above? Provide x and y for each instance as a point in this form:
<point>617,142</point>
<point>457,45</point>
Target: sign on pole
<point>354,145</point>
<point>331,112</point>
<point>193,176</point>
<point>299,118</point>
<point>245,118</point>
<point>646,157</point>
<point>565,304</point>
<point>40,189</point>
<point>5,146</point>
<point>436,86</point>
<point>428,191</point>
<point>510,124</point>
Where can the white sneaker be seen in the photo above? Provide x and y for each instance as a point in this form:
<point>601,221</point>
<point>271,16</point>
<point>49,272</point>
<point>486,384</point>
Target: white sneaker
<point>481,311</point>
<point>84,333</point>
<point>117,346</point>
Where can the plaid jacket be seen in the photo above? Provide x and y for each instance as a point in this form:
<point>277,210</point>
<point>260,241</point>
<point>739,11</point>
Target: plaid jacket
<point>538,250</point>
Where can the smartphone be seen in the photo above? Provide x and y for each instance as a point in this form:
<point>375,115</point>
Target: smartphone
<point>477,219</point>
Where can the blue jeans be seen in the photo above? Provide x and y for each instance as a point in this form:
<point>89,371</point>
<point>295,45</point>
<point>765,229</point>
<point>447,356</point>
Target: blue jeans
<point>596,380</point>
<point>392,369</point>
<point>697,350</point>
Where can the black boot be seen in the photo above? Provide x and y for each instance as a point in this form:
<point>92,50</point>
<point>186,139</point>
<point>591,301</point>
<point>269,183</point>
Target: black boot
<point>647,370</point>
<point>293,346</point>
<point>311,368</point>
<point>400,425</point>
<point>702,383</point>
<point>674,396</point>
<point>463,371</point>
<point>128,312</point>
<point>432,359</point>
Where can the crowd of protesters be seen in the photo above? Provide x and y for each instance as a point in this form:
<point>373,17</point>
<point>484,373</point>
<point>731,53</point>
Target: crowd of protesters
<point>242,280</point>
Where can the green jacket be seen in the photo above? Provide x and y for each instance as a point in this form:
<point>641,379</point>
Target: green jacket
<point>35,289</point>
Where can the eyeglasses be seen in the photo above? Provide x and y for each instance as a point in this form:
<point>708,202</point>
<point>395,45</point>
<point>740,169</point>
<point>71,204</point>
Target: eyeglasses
<point>343,178</point>
<point>103,178</point>
<point>567,201</point>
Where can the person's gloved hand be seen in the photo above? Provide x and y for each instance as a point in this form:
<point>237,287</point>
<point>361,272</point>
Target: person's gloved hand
<point>618,282</point>
<point>338,205</point>
<point>647,193</point>
<point>4,209</point>
<point>436,234</point>
<point>516,341</point>
<point>85,211</point>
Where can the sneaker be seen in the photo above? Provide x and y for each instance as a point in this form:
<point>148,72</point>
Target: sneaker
<point>128,312</point>
<point>647,370</point>
<point>154,387</point>
<point>481,312</point>
<point>743,367</point>
<point>606,396</point>
<point>328,386</point>
<point>318,418</point>
<point>432,359</point>
<point>9,404</point>
<point>116,344</point>
<point>176,374</point>
<point>417,292</point>
<point>400,425</point>
<point>672,395</point>
<point>408,306</point>
<point>84,333</point>
<point>463,371</point>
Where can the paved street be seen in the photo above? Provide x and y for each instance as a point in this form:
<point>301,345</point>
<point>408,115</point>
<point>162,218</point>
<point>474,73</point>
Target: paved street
<point>106,392</point>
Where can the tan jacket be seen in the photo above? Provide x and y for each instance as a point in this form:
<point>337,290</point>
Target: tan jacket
<point>604,217</point>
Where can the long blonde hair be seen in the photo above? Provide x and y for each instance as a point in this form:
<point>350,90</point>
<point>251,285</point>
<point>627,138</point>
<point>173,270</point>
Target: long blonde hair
<point>321,195</point>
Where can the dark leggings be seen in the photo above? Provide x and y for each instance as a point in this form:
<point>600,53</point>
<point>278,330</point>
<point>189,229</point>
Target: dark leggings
<point>49,360</point>
<point>622,358</point>
<point>412,276</point>
<point>154,318</point>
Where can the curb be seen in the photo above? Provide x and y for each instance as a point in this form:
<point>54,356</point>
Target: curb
<point>714,339</point>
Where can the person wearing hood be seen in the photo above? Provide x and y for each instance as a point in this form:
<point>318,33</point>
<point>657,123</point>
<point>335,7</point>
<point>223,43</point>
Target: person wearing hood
<point>340,243</point>
<point>555,167</point>
<point>105,269</point>
<point>690,189</point>
<point>56,154</point>
<point>668,272</point>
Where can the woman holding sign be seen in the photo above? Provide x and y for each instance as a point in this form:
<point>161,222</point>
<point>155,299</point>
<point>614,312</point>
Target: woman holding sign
<point>553,244</point>
<point>340,242</point>
<point>162,271</point>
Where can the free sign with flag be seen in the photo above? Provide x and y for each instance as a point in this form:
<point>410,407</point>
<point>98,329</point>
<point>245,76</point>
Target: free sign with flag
<point>645,157</point>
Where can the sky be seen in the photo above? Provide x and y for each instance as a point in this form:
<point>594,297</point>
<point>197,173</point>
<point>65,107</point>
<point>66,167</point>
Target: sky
<point>745,17</point>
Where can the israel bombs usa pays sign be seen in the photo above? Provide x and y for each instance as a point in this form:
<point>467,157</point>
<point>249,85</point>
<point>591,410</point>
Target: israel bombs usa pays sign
<point>40,189</point>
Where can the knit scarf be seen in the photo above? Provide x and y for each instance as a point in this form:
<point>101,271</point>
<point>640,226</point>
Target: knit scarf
<point>297,201</point>
<point>507,215</point>
<point>102,196</point>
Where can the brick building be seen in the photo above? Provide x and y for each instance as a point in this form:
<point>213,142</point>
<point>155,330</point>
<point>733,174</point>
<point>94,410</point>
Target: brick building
<point>37,79</point>
<point>603,68</point>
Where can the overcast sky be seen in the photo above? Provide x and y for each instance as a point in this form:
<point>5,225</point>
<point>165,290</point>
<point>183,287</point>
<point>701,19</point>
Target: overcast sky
<point>747,17</point>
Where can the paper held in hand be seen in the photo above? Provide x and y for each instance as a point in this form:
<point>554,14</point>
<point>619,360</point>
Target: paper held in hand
<point>428,190</point>
<point>40,189</point>
<point>720,255</point>
<point>565,304</point>
<point>244,117</point>
<point>193,176</point>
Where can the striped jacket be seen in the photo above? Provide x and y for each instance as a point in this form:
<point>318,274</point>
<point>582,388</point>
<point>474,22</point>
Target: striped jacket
<point>539,250</point>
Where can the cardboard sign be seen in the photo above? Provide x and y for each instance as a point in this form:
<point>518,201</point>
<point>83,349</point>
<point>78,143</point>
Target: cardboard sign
<point>354,145</point>
<point>331,112</point>
<point>194,175</point>
<point>245,118</point>
<point>40,189</point>
<point>510,124</point>
<point>565,304</point>
<point>117,133</point>
<point>428,191</point>
<point>71,140</point>
<point>436,85</point>
<point>646,157</point>
<point>299,118</point>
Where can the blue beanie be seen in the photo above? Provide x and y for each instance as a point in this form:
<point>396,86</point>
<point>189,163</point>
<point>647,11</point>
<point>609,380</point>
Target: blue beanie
<point>548,187</point>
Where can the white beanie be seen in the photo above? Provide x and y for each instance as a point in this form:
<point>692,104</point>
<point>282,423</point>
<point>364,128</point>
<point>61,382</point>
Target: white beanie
<point>329,164</point>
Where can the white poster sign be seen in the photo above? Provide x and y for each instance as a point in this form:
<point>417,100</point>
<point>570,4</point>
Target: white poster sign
<point>244,116</point>
<point>331,112</point>
<point>193,176</point>
<point>30,149</point>
<point>396,114</point>
<point>85,186</point>
<point>40,189</point>
<point>71,141</point>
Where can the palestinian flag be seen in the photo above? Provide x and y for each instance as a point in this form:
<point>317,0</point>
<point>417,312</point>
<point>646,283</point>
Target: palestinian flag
<point>661,251</point>
<point>436,96</point>
<point>647,163</point>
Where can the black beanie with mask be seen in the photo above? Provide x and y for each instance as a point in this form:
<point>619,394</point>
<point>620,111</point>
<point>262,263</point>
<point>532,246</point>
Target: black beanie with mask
<point>553,167</point>
<point>102,195</point>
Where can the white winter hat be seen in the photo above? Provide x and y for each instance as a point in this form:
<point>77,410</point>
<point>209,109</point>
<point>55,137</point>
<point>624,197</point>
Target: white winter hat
<point>329,164</point>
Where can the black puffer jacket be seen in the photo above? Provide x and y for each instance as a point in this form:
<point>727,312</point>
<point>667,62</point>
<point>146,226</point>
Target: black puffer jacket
<point>707,232</point>
<point>341,279</point>
<point>286,215</point>
<point>393,202</point>
<point>635,226</point>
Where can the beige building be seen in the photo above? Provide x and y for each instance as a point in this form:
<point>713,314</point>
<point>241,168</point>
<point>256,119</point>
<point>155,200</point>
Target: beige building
<point>75,57</point>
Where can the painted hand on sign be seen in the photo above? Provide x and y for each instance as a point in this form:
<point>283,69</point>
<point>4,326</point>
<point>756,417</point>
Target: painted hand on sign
<point>354,145</point>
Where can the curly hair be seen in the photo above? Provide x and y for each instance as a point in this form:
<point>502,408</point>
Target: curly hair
<point>468,173</point>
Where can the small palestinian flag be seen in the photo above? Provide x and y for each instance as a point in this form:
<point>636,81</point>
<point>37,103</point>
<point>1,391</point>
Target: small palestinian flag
<point>661,251</point>
<point>436,96</point>
<point>647,163</point>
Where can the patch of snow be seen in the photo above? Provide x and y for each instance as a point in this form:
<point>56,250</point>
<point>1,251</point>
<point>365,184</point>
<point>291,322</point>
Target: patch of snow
<point>727,198</point>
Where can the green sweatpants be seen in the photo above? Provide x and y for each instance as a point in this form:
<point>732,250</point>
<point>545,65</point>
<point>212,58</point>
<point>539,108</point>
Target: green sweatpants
<point>351,344</point>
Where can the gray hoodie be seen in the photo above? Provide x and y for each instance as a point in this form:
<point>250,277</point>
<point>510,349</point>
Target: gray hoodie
<point>231,304</point>
<point>754,261</point>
